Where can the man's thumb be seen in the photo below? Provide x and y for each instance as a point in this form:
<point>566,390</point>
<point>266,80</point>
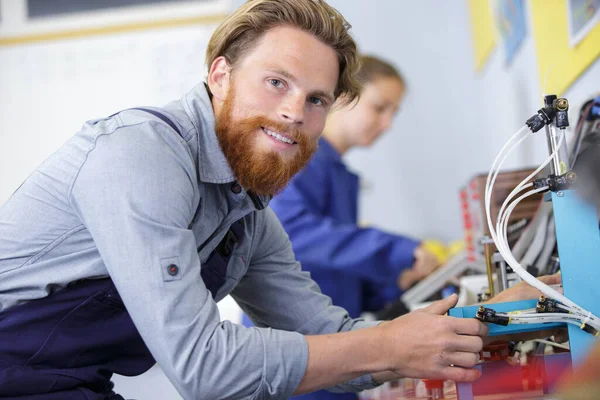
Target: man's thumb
<point>441,307</point>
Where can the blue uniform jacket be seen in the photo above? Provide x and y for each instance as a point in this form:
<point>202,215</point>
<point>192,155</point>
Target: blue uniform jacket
<point>356,267</point>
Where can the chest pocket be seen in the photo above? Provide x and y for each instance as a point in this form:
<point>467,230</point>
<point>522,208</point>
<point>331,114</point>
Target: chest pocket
<point>214,270</point>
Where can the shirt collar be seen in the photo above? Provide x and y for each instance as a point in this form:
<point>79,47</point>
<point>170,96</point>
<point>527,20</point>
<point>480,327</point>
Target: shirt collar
<point>212,163</point>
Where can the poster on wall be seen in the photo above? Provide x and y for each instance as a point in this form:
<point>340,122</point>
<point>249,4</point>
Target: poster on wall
<point>53,8</point>
<point>557,60</point>
<point>582,17</point>
<point>482,31</point>
<point>33,21</point>
<point>511,24</point>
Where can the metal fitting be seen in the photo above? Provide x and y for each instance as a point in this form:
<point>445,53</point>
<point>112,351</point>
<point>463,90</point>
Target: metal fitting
<point>562,104</point>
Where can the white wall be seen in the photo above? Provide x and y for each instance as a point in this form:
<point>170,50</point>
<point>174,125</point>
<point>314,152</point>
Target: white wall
<point>48,89</point>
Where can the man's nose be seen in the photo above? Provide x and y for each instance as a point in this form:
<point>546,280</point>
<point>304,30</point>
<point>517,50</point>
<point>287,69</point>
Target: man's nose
<point>292,109</point>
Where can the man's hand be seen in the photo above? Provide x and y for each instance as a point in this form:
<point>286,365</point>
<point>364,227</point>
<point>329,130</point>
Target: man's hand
<point>428,344</point>
<point>522,290</point>
<point>425,263</point>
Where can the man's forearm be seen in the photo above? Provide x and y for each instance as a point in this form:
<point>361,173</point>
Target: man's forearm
<point>337,358</point>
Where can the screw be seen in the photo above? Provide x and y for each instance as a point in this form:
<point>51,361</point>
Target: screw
<point>559,193</point>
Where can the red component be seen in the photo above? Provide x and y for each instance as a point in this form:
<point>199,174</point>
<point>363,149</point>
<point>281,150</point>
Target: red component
<point>433,383</point>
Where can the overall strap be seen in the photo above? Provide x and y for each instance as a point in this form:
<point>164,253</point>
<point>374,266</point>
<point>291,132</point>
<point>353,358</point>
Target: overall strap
<point>214,270</point>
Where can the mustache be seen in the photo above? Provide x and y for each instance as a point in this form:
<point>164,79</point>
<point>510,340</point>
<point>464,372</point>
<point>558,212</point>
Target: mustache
<point>258,122</point>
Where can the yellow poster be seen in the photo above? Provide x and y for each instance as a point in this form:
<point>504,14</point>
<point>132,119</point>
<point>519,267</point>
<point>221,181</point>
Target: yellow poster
<point>557,59</point>
<point>484,35</point>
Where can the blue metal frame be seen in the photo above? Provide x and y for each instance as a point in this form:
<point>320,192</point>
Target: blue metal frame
<point>578,239</point>
<point>495,330</point>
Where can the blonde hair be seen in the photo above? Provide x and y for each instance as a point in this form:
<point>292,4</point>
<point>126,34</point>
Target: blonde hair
<point>241,30</point>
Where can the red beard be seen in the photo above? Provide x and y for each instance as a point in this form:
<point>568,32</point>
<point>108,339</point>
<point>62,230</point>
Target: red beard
<point>263,172</point>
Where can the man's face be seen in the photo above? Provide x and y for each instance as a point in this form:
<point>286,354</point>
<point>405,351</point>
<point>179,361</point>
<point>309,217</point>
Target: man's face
<point>275,107</point>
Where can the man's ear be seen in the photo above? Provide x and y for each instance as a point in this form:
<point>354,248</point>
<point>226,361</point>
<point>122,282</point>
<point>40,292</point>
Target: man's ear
<point>219,78</point>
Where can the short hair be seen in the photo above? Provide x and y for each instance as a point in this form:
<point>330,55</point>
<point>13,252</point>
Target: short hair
<point>241,30</point>
<point>372,68</point>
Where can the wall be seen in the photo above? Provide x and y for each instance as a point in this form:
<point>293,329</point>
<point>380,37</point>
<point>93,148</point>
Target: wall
<point>453,122</point>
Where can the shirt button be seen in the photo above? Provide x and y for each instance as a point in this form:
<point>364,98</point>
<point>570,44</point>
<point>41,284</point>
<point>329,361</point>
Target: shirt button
<point>173,269</point>
<point>236,188</point>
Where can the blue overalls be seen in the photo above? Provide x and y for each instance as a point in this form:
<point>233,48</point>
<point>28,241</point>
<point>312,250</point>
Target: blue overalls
<point>66,346</point>
<point>356,267</point>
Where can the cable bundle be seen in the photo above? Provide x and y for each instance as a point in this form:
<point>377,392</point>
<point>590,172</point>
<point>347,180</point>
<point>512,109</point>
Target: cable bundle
<point>573,313</point>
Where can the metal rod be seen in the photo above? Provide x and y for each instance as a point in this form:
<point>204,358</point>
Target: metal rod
<point>550,147</point>
<point>489,264</point>
<point>560,159</point>
<point>503,276</point>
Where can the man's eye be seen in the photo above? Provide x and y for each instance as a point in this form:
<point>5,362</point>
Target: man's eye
<point>276,82</point>
<point>317,101</point>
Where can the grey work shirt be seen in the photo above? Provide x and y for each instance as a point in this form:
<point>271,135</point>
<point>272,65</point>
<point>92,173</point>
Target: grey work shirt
<point>126,197</point>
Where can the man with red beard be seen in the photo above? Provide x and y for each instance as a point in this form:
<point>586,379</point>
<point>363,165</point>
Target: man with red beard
<point>115,251</point>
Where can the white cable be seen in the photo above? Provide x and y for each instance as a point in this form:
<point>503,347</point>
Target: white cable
<point>525,181</point>
<point>550,343</point>
<point>545,319</point>
<point>579,313</point>
<point>587,318</point>
<point>502,225</point>
<point>508,199</point>
<point>549,318</point>
<point>503,247</point>
<point>517,268</point>
<point>547,290</point>
<point>495,169</point>
<point>501,156</point>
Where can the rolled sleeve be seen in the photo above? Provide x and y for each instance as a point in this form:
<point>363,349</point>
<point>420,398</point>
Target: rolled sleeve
<point>275,292</point>
<point>286,359</point>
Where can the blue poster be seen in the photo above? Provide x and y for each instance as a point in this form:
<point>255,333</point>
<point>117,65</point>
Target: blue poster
<point>510,20</point>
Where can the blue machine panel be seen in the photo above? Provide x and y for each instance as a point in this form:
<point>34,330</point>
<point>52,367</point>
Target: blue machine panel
<point>495,330</point>
<point>578,240</point>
